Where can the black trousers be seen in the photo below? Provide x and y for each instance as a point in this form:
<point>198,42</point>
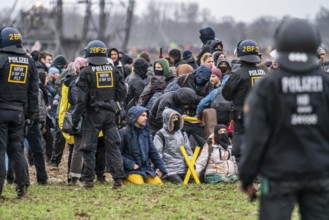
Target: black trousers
<point>94,122</point>
<point>59,146</point>
<point>278,199</point>
<point>11,141</point>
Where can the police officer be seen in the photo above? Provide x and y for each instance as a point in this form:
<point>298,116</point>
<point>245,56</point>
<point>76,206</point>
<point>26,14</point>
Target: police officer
<point>100,87</point>
<point>18,100</point>
<point>286,140</point>
<point>239,85</point>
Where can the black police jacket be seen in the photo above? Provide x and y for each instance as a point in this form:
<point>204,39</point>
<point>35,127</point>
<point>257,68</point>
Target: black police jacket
<point>18,83</point>
<point>240,83</point>
<point>98,87</point>
<point>286,128</point>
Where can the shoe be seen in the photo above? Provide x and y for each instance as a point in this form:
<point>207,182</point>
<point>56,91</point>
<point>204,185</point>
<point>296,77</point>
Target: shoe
<point>21,191</point>
<point>86,184</point>
<point>74,181</point>
<point>117,184</point>
<point>45,182</point>
<point>53,166</point>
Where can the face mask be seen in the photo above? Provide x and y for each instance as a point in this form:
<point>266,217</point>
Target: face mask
<point>223,69</point>
<point>176,125</point>
<point>158,72</point>
<point>48,65</point>
<point>222,139</point>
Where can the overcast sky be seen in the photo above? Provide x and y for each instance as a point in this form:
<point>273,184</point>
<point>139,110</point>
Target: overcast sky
<point>240,10</point>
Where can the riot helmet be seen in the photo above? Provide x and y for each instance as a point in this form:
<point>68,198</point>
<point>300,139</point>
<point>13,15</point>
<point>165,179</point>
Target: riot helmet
<point>297,42</point>
<point>248,51</point>
<point>96,52</point>
<point>11,40</point>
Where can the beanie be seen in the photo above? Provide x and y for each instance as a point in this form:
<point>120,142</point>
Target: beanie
<point>216,72</point>
<point>59,62</point>
<point>187,54</point>
<point>53,70</point>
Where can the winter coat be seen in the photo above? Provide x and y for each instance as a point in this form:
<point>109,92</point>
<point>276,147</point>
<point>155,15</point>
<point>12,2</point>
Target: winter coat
<point>174,100</point>
<point>137,147</point>
<point>169,150</point>
<point>136,86</point>
<point>221,161</point>
<point>157,83</point>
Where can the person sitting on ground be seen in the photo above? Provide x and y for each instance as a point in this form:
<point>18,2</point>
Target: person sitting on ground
<point>168,141</point>
<point>216,158</point>
<point>138,150</point>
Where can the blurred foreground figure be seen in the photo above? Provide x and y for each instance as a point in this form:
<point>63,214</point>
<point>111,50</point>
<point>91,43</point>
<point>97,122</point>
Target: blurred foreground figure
<point>288,145</point>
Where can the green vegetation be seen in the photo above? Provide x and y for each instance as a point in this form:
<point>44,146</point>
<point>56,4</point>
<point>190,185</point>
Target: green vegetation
<point>59,201</point>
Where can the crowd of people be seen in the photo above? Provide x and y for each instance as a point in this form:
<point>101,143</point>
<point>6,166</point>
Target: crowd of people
<point>129,116</point>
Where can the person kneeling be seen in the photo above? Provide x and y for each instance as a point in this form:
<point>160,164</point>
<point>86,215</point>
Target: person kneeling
<point>138,150</point>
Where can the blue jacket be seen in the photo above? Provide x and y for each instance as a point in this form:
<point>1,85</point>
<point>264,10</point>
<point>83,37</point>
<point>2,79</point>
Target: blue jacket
<point>206,101</point>
<point>137,147</point>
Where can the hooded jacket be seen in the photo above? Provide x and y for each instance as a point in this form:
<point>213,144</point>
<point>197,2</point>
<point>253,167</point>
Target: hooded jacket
<point>157,83</point>
<point>170,150</point>
<point>174,100</point>
<point>137,147</point>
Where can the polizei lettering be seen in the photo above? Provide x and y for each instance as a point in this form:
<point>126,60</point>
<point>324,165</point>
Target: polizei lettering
<point>296,84</point>
<point>101,68</point>
<point>258,72</point>
<point>18,60</point>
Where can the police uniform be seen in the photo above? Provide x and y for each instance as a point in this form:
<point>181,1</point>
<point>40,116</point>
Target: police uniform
<point>100,87</point>
<point>239,85</point>
<point>18,99</point>
<point>286,139</point>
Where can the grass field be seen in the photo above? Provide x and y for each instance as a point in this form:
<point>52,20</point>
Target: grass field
<point>59,201</point>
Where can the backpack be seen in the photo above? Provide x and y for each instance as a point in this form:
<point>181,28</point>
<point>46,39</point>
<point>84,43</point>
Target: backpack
<point>222,107</point>
<point>153,99</point>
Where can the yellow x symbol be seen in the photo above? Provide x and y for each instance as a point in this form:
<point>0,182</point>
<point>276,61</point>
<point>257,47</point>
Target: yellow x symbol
<point>190,164</point>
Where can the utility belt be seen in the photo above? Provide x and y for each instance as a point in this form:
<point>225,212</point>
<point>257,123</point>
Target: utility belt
<point>237,114</point>
<point>12,106</point>
<point>106,105</point>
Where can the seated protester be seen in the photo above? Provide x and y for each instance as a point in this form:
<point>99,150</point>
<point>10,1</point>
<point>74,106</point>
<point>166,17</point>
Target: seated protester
<point>168,141</point>
<point>216,101</point>
<point>218,54</point>
<point>225,68</point>
<point>162,77</point>
<point>138,150</point>
<point>136,82</point>
<point>176,55</point>
<point>189,59</point>
<point>215,77</point>
<point>176,100</point>
<point>216,158</point>
<point>183,69</point>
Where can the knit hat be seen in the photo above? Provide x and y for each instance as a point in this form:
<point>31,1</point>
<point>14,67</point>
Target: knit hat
<point>201,75</point>
<point>216,72</point>
<point>187,54</point>
<point>59,62</point>
<point>52,71</point>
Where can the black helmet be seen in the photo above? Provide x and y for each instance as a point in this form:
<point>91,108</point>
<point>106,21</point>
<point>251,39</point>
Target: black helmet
<point>297,42</point>
<point>96,52</point>
<point>248,51</point>
<point>11,40</point>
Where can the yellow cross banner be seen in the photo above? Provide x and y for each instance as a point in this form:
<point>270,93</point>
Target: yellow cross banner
<point>190,164</point>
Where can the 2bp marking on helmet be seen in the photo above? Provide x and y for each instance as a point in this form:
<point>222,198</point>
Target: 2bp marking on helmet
<point>17,73</point>
<point>15,37</point>
<point>97,50</point>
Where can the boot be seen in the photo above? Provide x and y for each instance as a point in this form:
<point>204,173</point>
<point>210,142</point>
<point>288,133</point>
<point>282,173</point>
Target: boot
<point>101,179</point>
<point>117,184</point>
<point>21,191</point>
